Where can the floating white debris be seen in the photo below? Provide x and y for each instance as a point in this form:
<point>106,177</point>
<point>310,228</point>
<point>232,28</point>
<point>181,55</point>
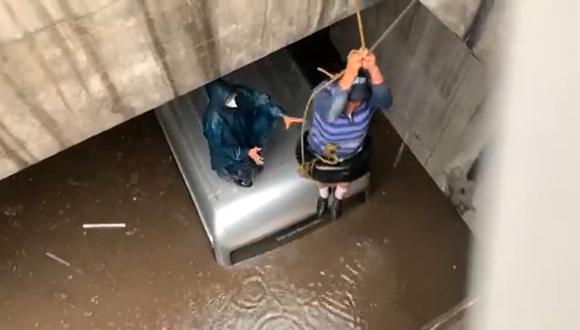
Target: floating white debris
<point>348,279</point>
<point>96,299</point>
<point>354,272</point>
<point>57,259</point>
<point>131,232</point>
<point>103,225</point>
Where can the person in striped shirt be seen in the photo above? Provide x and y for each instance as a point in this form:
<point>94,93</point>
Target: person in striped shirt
<point>341,115</point>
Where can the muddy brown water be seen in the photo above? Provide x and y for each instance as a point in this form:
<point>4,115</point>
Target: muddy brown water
<point>395,262</point>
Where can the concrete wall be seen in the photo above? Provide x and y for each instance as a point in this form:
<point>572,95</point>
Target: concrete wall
<point>72,68</point>
<point>439,89</point>
<point>479,23</point>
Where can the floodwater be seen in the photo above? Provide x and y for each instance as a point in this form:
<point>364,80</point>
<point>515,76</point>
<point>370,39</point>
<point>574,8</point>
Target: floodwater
<point>396,262</point>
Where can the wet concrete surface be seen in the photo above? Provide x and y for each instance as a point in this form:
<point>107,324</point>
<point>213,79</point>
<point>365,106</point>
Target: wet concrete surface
<point>396,262</point>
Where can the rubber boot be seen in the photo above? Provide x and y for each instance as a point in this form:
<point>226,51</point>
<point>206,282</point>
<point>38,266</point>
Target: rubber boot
<point>321,206</point>
<point>336,209</point>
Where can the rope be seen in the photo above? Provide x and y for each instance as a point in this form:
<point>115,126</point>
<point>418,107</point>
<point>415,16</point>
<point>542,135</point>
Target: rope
<point>395,23</point>
<point>305,168</point>
<point>361,33</point>
<point>330,75</point>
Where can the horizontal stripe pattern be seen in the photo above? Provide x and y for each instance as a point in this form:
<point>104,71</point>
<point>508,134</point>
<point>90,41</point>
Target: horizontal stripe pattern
<point>348,134</point>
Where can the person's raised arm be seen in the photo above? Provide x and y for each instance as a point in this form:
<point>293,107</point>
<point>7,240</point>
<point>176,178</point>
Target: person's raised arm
<point>353,65</point>
<point>263,102</point>
<point>330,102</point>
<point>381,96</point>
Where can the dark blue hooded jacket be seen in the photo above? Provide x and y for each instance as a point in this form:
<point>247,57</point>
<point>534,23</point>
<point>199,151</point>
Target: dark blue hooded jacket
<point>232,132</point>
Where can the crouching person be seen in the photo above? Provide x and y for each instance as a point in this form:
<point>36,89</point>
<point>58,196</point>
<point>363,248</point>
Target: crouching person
<point>236,125</point>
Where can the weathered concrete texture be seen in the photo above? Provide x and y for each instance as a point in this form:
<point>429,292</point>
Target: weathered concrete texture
<point>480,23</point>
<point>487,39</point>
<point>439,89</point>
<point>70,68</point>
<point>456,15</point>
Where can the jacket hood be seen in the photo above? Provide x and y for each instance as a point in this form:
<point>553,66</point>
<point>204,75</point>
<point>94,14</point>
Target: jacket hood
<point>218,92</point>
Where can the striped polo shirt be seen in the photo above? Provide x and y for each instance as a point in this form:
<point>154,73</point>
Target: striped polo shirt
<point>331,125</point>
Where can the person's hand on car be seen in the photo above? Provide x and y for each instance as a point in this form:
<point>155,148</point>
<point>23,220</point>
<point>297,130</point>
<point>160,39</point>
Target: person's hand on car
<point>254,155</point>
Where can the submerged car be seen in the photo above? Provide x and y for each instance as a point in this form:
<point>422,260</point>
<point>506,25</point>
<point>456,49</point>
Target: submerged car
<point>280,206</point>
